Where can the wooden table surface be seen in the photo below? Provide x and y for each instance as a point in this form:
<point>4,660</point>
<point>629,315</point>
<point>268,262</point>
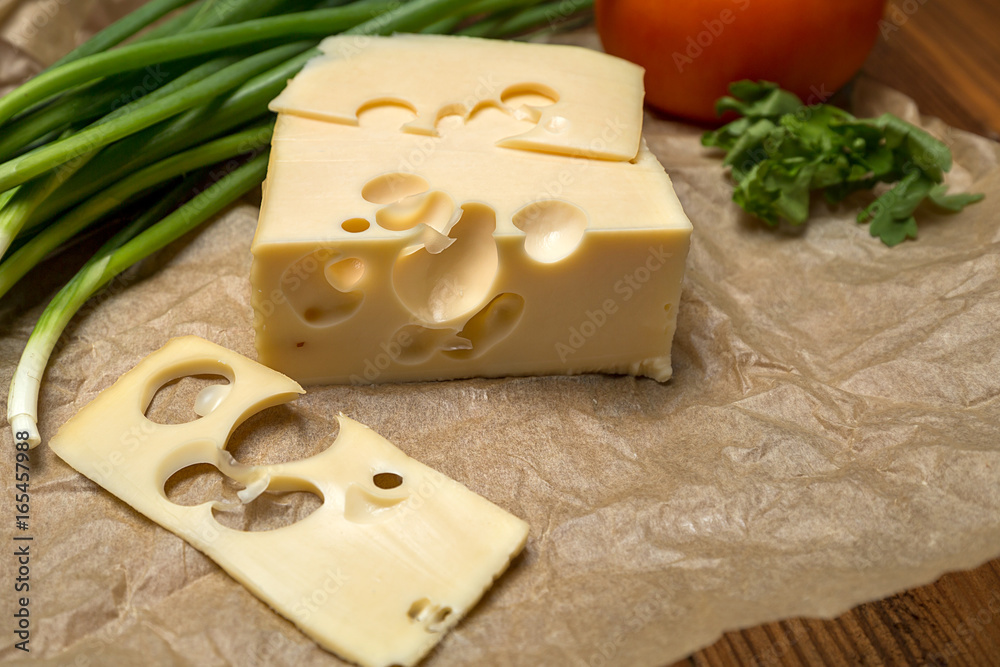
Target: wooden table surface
<point>946,56</point>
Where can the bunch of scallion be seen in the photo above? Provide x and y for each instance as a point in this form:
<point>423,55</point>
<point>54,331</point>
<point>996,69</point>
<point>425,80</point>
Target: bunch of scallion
<point>126,133</point>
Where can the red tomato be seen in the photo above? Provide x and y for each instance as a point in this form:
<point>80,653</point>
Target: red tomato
<point>693,49</point>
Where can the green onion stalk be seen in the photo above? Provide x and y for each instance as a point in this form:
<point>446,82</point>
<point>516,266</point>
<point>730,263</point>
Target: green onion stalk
<point>97,135</point>
<point>112,259</point>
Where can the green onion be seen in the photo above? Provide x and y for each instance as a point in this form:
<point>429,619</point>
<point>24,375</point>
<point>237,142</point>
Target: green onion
<point>140,114</point>
<point>542,18</point>
<point>58,233</point>
<point>122,29</point>
<point>245,104</point>
<point>21,202</point>
<point>19,212</point>
<point>294,27</point>
<point>91,100</point>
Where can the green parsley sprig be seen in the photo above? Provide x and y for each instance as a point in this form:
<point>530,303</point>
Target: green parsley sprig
<point>781,150</point>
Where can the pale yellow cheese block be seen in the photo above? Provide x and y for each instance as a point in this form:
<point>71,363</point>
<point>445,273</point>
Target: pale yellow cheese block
<point>376,575</point>
<point>384,253</point>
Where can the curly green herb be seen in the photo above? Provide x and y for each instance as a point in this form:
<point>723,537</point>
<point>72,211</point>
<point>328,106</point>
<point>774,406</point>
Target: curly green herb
<point>781,150</point>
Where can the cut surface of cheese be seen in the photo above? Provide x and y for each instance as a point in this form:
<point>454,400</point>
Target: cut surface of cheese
<point>413,228</point>
<point>393,558</point>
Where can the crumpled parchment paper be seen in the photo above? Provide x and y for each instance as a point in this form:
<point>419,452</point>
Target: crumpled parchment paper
<point>831,435</point>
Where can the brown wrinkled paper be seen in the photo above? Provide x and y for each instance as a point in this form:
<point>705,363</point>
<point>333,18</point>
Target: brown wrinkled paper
<point>831,435</point>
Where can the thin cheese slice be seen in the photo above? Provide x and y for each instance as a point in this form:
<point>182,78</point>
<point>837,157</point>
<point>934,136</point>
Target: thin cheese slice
<point>384,254</point>
<point>582,92</point>
<point>377,575</point>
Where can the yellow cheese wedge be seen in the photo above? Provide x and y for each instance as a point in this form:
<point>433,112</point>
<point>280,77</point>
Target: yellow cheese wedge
<point>393,558</point>
<point>435,209</point>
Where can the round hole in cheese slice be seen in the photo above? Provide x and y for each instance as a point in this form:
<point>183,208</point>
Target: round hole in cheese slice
<point>283,434</point>
<point>387,480</point>
<point>186,398</point>
<point>390,113</point>
<point>529,95</point>
<point>202,483</point>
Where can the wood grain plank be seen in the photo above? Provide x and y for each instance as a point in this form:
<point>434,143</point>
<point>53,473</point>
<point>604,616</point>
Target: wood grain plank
<point>954,621</point>
<point>945,56</point>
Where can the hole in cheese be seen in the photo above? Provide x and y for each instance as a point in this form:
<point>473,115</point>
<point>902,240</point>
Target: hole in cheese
<point>434,209</point>
<point>418,610</point>
<point>307,287</point>
<point>386,112</point>
<point>283,434</point>
<point>355,225</point>
<point>432,616</point>
<point>490,325</point>
<point>345,274</point>
<point>393,187</point>
<point>553,229</point>
<point>444,286</point>
<point>438,621</point>
<point>455,112</point>
<point>417,344</point>
<point>185,399</point>
<point>203,482</point>
<point>387,480</point>
<point>529,94</point>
